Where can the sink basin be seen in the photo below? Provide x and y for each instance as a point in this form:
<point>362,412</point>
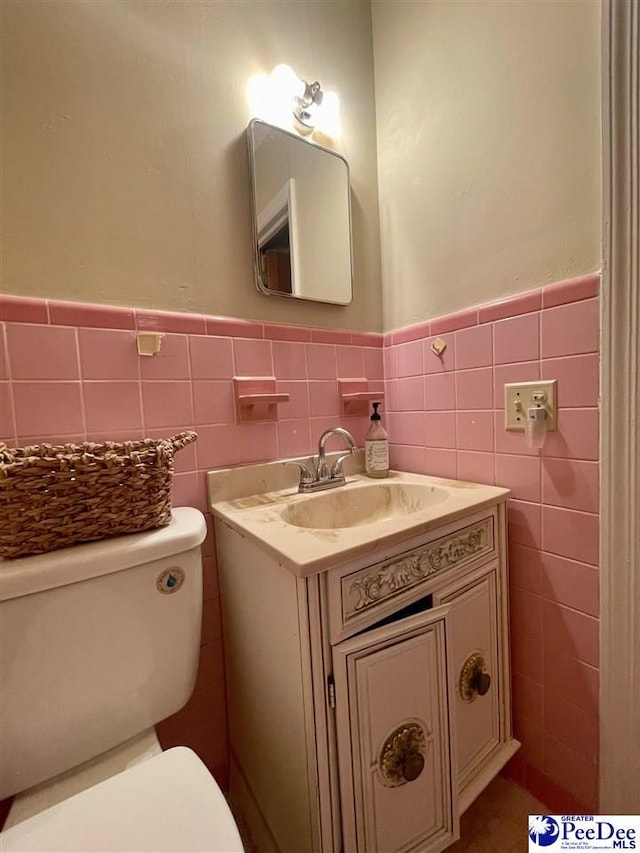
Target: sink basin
<point>345,507</point>
<point>313,533</point>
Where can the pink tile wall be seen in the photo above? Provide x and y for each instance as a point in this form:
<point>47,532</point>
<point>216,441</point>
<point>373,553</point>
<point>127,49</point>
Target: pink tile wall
<point>453,425</point>
<point>71,372</point>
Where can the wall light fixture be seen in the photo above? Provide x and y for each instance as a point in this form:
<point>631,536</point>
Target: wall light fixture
<point>282,98</point>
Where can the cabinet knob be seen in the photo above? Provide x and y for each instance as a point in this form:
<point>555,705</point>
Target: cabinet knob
<point>474,681</point>
<point>402,757</point>
<point>483,683</point>
<point>412,765</point>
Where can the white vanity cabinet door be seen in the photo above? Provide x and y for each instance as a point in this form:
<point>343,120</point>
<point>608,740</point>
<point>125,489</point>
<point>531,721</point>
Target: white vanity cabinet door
<point>392,713</point>
<point>477,682</point>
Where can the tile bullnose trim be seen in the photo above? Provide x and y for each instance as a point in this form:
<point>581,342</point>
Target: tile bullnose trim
<point>166,321</point>
<point>571,290</point>
<point>409,333</point>
<point>548,296</point>
<point>511,306</point>
<point>90,315</point>
<point>367,339</point>
<point>283,332</point>
<point>27,309</point>
<point>454,322</point>
<point>233,327</point>
<point>23,309</point>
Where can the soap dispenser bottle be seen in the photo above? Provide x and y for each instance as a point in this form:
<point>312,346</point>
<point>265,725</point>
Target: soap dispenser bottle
<point>376,447</point>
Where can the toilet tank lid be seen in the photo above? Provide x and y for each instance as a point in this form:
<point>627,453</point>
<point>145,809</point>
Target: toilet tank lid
<point>27,575</point>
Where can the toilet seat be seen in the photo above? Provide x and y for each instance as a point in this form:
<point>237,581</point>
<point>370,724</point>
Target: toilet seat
<point>168,803</point>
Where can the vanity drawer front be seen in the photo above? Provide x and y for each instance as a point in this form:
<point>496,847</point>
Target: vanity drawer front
<point>362,597</point>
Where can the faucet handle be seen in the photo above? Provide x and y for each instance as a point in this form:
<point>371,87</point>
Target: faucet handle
<point>306,474</point>
<point>336,468</point>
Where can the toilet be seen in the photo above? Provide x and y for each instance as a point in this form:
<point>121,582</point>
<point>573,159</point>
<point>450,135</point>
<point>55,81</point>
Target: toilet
<point>98,643</point>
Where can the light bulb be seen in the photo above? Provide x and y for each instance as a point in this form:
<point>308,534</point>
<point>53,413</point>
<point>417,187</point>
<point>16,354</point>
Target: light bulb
<point>286,82</point>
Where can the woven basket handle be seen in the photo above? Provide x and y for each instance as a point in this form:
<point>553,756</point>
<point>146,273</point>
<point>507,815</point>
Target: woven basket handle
<point>182,439</point>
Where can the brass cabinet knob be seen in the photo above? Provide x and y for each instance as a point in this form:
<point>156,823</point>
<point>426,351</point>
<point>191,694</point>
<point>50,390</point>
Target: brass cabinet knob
<point>474,681</point>
<point>402,756</point>
<point>412,765</point>
<point>482,683</point>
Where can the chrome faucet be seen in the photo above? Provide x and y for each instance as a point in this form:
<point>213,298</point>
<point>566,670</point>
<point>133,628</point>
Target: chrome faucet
<point>317,476</point>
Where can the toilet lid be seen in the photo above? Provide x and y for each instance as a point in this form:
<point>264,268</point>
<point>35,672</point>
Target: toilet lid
<point>168,803</point>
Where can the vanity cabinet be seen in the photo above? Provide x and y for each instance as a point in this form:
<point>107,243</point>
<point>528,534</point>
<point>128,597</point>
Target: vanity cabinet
<point>369,703</point>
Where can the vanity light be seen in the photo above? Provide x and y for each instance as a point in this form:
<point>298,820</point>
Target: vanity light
<point>304,99</point>
<point>285,100</point>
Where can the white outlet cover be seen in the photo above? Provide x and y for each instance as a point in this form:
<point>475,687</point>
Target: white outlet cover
<point>519,396</point>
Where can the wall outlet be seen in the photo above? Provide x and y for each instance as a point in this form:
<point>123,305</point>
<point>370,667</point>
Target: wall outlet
<point>520,396</point>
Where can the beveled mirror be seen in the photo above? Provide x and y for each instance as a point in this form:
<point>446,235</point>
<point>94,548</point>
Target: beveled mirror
<point>301,217</point>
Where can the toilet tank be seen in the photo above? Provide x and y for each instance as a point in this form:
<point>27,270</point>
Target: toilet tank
<point>98,642</point>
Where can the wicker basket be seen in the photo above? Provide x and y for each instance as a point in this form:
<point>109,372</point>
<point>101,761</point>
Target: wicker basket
<point>54,496</point>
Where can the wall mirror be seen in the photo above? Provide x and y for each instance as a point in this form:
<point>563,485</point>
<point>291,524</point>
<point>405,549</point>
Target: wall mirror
<point>301,217</point>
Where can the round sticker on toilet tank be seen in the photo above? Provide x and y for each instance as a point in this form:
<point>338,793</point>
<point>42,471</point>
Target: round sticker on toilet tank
<point>170,580</point>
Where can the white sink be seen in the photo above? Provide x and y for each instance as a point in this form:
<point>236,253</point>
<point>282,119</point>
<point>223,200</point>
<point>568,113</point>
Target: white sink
<point>312,533</point>
<point>369,504</point>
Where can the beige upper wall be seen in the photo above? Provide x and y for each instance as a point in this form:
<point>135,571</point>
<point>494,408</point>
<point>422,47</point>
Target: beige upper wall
<point>124,157</point>
<point>488,127</point>
<point>125,172</point>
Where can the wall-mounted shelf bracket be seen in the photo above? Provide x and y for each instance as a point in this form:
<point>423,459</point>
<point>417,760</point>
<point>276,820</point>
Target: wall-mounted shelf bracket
<point>356,395</point>
<point>256,398</point>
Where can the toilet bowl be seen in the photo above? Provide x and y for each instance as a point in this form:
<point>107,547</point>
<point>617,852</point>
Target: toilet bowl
<point>168,803</point>
<point>99,642</point>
